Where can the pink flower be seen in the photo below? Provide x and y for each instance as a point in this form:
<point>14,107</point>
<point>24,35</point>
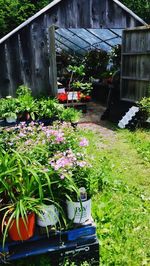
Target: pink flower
<point>59,139</point>
<point>21,134</point>
<point>84,142</point>
<point>32,123</point>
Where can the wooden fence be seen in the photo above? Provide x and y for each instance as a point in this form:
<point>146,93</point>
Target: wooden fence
<point>135,76</point>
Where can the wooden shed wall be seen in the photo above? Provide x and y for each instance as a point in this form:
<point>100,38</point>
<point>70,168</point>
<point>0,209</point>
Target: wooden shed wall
<point>25,54</point>
<point>136,64</point>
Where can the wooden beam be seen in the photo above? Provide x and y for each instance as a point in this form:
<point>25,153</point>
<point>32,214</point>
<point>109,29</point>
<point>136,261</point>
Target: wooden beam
<point>53,65</point>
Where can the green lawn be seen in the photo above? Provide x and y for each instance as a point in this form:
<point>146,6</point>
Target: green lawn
<point>121,207</point>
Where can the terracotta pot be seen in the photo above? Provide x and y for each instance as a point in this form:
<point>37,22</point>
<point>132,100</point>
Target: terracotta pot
<point>25,231</point>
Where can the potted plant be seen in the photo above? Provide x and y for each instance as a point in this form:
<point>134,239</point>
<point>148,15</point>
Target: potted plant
<point>9,109</point>
<point>71,115</point>
<point>79,211</point>
<point>19,219</point>
<point>79,206</point>
<point>49,215</point>
<point>49,110</point>
<point>74,173</point>
<point>28,107</point>
<point>21,181</point>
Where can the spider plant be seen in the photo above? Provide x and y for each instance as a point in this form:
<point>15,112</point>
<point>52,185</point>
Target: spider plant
<point>21,187</point>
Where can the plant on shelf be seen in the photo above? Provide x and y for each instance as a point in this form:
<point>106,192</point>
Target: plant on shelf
<point>84,87</point>
<point>28,107</point>
<point>9,108</point>
<point>78,83</point>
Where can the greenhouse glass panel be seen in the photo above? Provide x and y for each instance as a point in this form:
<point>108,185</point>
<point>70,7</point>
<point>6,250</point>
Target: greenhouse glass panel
<point>82,40</point>
<point>67,34</point>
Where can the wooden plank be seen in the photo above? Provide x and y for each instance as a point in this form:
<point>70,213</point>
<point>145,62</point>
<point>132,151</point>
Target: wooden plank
<point>4,74</point>
<point>137,53</point>
<point>135,72</point>
<point>74,104</point>
<point>98,14</point>
<point>53,65</point>
<point>135,78</point>
<point>39,59</point>
<point>136,66</point>
<point>26,57</point>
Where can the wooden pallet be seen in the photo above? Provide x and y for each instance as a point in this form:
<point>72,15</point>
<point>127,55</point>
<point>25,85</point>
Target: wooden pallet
<point>65,243</point>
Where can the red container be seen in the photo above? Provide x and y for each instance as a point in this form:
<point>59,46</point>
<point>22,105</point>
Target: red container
<point>26,231</point>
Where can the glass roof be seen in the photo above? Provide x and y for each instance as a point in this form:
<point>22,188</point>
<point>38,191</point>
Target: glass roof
<point>81,40</point>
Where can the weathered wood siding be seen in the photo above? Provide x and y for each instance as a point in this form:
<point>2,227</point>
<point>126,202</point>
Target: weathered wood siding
<point>136,64</point>
<point>25,54</point>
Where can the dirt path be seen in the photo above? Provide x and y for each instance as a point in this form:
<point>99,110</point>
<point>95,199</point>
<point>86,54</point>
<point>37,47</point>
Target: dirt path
<point>103,129</point>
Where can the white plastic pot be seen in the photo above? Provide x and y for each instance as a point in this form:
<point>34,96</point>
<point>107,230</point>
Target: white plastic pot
<point>11,119</point>
<point>79,213</point>
<point>49,216</point>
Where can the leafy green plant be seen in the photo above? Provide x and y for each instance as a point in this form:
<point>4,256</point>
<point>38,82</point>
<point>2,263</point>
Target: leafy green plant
<point>78,71</point>
<point>77,82</point>
<point>9,107</point>
<point>28,107</point>
<point>23,91</point>
<point>115,57</point>
<point>21,182</point>
<point>85,88</point>
<point>49,108</point>
<point>70,115</point>
<point>95,63</point>
<point>144,105</point>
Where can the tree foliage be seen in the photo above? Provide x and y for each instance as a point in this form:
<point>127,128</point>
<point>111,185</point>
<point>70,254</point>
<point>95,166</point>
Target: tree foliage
<point>14,12</point>
<point>140,7</point>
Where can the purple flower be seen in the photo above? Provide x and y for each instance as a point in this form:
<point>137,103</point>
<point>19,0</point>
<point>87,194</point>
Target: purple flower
<point>28,142</point>
<point>59,139</point>
<point>22,124</point>
<point>21,134</point>
<point>84,142</point>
